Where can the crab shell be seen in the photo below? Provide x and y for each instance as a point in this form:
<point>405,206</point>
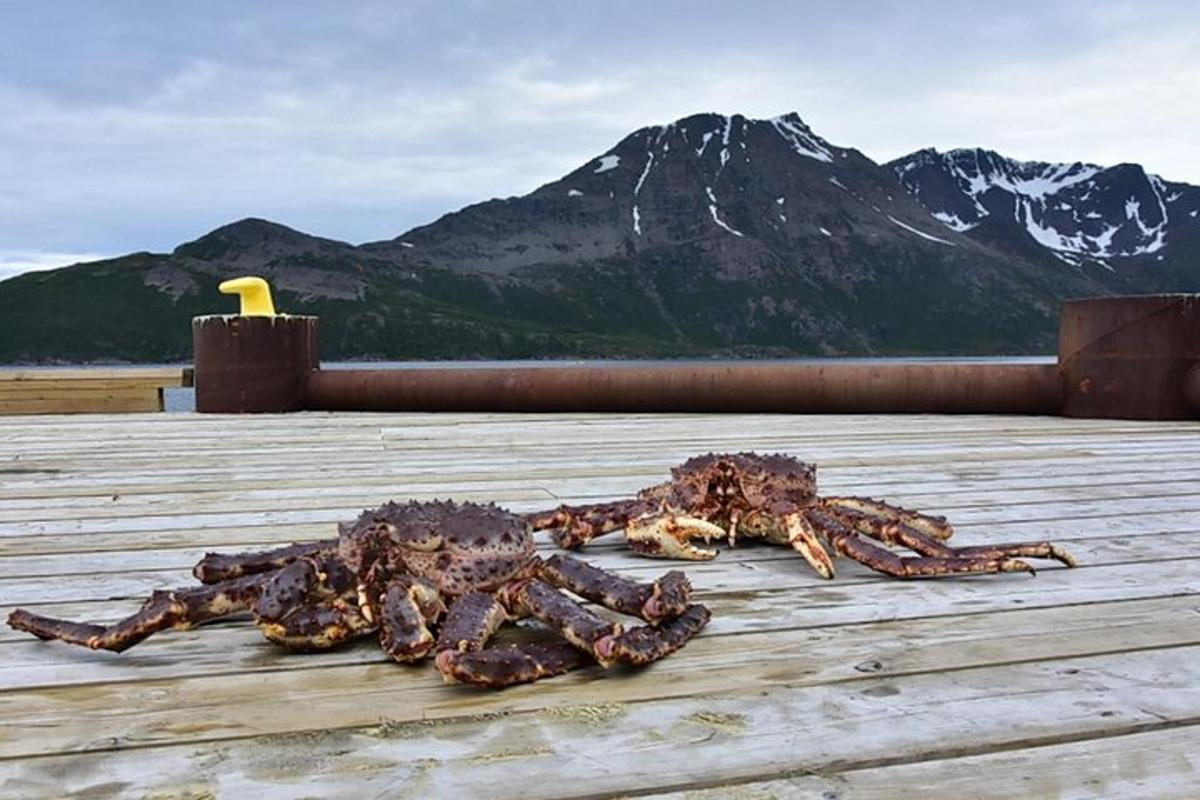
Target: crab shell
<point>718,487</point>
<point>458,548</point>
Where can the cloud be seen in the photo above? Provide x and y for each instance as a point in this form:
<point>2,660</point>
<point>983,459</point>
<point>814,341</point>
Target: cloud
<point>1132,98</point>
<point>144,126</point>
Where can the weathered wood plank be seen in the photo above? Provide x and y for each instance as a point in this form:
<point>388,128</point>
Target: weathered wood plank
<point>393,476</point>
<point>244,537</point>
<point>1004,632</point>
<point>822,422</point>
<point>104,401</point>
<point>27,487</point>
<point>540,741</point>
<point>1156,765</point>
<point>56,391</point>
<point>916,492</point>
<point>425,430</point>
<point>669,449</point>
<point>1092,546</point>
<point>1082,509</point>
<point>160,376</point>
<point>173,566</point>
<point>764,600</point>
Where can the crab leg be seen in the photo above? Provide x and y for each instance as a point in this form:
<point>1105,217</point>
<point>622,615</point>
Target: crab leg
<point>935,527</point>
<point>1020,549</point>
<point>309,605</point>
<point>179,608</point>
<point>510,664</point>
<point>317,626</point>
<point>462,656</point>
<point>848,542</point>
<point>901,533</point>
<point>646,644</point>
<point>607,642</point>
<point>575,526</point>
<point>471,622</point>
<point>665,598</point>
<point>579,626</point>
<point>409,604</point>
<point>216,567</point>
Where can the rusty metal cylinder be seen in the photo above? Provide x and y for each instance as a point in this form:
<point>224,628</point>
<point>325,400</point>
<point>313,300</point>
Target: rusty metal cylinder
<point>1131,357</point>
<point>249,364</point>
<point>911,387</point>
<point>1191,390</point>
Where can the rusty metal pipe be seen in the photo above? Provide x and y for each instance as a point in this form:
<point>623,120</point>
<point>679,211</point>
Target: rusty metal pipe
<point>941,387</point>
<point>1119,357</point>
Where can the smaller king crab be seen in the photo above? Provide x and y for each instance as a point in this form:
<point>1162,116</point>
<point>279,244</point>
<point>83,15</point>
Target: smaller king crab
<point>403,568</point>
<point>774,498</point>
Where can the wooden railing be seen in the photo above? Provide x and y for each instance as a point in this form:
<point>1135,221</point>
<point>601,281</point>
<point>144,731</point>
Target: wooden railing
<point>88,390</point>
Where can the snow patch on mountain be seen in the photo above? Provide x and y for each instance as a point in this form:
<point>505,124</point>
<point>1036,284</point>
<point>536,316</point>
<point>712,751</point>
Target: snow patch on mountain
<point>608,162</point>
<point>801,138</point>
<point>1065,208</point>
<point>952,221</point>
<point>712,209</point>
<point>922,234</point>
<point>637,217</point>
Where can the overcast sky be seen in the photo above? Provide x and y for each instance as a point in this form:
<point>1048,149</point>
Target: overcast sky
<point>138,125</point>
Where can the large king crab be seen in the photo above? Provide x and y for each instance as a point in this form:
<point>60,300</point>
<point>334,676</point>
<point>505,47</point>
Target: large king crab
<point>404,568</point>
<point>774,498</point>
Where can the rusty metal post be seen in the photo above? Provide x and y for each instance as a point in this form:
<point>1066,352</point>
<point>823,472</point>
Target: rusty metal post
<point>248,364</point>
<point>1191,390</point>
<point>1131,357</point>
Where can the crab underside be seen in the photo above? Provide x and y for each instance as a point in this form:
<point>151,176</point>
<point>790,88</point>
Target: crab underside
<point>401,573</point>
<point>724,497</point>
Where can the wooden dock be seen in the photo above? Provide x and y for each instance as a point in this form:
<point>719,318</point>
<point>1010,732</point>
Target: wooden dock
<point>91,390</point>
<point>1079,683</point>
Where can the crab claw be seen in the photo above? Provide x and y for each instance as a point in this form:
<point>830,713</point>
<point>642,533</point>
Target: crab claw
<point>803,538</point>
<point>671,536</point>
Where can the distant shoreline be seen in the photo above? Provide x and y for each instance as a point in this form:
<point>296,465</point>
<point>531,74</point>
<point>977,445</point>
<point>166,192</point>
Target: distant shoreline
<point>558,362</point>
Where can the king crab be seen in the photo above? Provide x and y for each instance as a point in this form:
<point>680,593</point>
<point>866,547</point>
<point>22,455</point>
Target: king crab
<point>774,498</point>
<point>400,570</point>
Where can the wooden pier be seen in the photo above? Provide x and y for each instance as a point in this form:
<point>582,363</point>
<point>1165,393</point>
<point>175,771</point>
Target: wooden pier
<point>1079,683</point>
<point>90,390</point>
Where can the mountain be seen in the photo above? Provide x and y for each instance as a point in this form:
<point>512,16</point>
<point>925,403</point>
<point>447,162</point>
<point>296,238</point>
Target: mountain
<point>712,235</point>
<point>1119,218</point>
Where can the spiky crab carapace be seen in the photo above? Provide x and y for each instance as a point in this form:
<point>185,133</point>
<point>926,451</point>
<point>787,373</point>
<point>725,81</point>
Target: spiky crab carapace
<point>404,570</point>
<point>774,498</point>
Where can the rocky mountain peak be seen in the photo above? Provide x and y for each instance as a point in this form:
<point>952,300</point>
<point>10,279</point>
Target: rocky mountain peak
<point>1078,212</point>
<point>736,180</point>
<point>256,238</point>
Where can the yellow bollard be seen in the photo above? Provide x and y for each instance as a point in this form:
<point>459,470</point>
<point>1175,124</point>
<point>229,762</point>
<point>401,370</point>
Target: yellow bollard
<point>255,293</point>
